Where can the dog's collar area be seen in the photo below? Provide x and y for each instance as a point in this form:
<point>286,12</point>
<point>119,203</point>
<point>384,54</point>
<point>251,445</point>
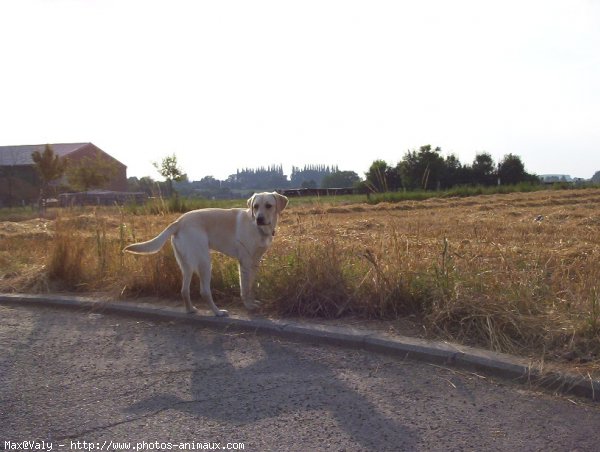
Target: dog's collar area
<point>266,233</point>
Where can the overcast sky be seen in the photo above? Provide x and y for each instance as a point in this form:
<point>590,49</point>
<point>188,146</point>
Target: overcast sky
<point>234,84</point>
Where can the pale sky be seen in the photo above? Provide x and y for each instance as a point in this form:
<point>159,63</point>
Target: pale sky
<point>234,84</point>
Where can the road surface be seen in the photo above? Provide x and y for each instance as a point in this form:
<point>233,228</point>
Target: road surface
<point>75,380</point>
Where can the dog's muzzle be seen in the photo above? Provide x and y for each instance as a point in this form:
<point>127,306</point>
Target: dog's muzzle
<point>260,221</point>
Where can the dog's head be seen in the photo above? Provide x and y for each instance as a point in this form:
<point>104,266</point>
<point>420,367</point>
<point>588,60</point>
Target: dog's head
<point>265,209</point>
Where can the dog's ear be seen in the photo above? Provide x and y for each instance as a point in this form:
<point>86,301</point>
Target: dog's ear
<point>281,201</point>
<point>250,204</point>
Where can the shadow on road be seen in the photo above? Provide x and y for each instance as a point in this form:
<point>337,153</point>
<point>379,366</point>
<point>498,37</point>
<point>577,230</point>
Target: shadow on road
<point>281,383</point>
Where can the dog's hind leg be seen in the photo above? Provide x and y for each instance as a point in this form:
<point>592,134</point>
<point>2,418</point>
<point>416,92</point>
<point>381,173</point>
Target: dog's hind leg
<point>204,272</point>
<point>185,290</point>
<point>186,274</point>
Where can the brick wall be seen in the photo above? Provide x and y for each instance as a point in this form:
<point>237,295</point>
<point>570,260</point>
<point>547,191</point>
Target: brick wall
<point>89,153</point>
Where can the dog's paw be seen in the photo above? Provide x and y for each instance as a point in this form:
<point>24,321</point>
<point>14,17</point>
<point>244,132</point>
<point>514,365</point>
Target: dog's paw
<point>222,313</point>
<point>192,310</point>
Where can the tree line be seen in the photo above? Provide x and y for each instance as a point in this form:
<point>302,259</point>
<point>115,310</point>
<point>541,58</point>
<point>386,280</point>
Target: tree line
<point>420,169</point>
<point>310,176</point>
<point>262,178</point>
<point>427,169</point>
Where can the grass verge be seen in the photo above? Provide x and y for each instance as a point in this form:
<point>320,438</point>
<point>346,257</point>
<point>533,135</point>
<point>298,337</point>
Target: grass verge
<point>515,273</point>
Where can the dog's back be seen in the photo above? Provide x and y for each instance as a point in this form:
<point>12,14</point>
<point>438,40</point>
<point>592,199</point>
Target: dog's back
<point>218,225</point>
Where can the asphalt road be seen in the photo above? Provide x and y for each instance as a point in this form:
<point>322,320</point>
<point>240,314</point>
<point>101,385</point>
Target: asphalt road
<point>79,380</point>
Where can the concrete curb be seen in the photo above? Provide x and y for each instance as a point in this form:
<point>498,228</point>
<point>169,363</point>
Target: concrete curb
<point>442,353</point>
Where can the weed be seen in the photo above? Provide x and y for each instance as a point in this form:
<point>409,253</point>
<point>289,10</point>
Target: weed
<point>66,260</point>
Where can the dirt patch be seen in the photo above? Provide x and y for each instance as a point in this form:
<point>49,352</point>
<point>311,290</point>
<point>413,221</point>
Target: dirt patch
<point>24,228</point>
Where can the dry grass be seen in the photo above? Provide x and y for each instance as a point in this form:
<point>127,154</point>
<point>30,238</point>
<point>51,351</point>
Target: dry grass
<point>478,270</point>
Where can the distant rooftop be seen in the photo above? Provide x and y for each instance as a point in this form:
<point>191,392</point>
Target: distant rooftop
<point>556,178</point>
<point>21,155</point>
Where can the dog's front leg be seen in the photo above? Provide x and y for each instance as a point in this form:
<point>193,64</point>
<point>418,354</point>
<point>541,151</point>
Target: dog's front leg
<point>247,276</point>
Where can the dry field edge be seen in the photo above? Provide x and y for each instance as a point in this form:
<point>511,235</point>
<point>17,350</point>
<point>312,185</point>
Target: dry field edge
<point>515,273</point>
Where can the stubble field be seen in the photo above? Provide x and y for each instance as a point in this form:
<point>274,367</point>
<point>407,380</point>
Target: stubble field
<point>517,273</point>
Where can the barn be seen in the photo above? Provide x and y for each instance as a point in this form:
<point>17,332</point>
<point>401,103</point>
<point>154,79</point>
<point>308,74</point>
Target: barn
<point>19,182</point>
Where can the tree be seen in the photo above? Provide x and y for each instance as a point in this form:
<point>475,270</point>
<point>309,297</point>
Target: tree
<point>453,172</point>
<point>340,179</point>
<point>423,169</point>
<point>145,184</point>
<point>381,177</point>
<point>209,182</point>
<point>90,172</point>
<point>314,173</point>
<point>259,178</point>
<point>170,170</point>
<point>49,167</point>
<point>596,178</point>
<point>483,169</point>
<point>511,170</point>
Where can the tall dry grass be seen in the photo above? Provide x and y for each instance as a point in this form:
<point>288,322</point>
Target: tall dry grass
<point>514,273</point>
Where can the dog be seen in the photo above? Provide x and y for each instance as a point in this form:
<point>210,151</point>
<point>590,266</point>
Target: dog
<point>245,234</point>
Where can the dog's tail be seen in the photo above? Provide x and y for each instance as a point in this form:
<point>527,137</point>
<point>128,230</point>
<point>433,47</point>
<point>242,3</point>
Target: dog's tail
<point>154,245</point>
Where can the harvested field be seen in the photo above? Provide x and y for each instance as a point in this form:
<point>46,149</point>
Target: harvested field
<point>516,273</point>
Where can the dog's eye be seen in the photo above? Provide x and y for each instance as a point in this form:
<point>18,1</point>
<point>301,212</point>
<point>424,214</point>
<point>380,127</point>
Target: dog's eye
<point>255,206</point>
<point>268,206</point>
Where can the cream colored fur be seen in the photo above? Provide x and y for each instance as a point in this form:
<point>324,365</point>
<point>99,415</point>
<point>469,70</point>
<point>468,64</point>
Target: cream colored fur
<point>244,234</point>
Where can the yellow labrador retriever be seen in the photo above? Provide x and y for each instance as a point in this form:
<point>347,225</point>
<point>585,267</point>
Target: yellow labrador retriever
<point>244,234</point>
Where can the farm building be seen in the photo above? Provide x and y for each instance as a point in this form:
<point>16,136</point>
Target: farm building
<point>555,178</point>
<point>20,184</point>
